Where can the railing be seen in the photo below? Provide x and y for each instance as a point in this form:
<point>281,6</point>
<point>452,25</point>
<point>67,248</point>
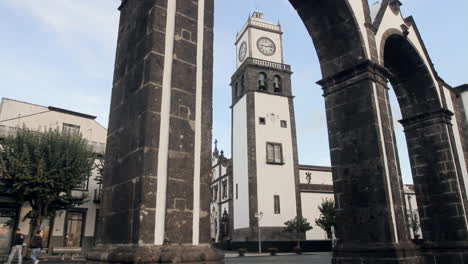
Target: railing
<point>98,148</point>
<point>269,64</point>
<point>265,25</point>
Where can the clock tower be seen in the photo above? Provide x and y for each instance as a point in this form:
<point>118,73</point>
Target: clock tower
<point>264,148</point>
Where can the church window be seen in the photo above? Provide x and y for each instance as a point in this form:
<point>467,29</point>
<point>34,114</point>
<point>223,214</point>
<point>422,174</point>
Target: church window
<point>69,128</point>
<point>284,123</point>
<point>215,193</point>
<point>274,153</point>
<point>262,121</point>
<point>277,204</point>
<point>262,81</point>
<point>224,189</point>
<point>236,89</point>
<point>277,83</point>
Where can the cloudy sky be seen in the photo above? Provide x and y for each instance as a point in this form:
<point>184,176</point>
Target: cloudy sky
<point>61,53</point>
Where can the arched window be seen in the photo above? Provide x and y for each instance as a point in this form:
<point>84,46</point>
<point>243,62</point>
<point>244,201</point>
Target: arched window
<point>277,84</point>
<point>262,81</point>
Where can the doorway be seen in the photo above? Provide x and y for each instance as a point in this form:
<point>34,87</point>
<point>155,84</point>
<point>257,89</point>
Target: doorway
<point>8,218</point>
<point>74,228</point>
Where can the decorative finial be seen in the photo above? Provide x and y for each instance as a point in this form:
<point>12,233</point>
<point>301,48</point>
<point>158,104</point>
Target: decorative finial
<point>216,152</point>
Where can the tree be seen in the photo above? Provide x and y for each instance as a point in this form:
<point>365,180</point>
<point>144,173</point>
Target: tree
<point>43,168</point>
<point>327,217</point>
<point>298,225</point>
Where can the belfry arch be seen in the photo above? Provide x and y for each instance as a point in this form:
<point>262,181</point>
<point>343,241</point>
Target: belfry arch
<point>158,148</point>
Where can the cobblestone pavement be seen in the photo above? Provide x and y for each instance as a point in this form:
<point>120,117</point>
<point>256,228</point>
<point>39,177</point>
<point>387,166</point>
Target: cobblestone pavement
<point>290,259</point>
<point>310,258</point>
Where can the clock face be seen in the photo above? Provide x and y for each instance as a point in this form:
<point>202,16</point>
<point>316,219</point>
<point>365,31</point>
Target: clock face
<point>243,51</point>
<point>266,46</point>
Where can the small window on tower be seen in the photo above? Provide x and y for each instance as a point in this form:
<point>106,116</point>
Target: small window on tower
<point>284,123</point>
<point>277,207</point>
<point>237,191</point>
<point>262,81</point>
<point>262,121</point>
<point>277,83</point>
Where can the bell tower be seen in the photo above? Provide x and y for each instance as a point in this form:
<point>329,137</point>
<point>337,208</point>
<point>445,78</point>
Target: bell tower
<point>264,148</point>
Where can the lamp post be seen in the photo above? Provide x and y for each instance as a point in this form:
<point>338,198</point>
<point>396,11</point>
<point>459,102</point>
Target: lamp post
<point>259,216</point>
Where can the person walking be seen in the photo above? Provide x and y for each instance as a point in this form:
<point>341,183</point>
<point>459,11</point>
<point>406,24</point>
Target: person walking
<point>36,246</point>
<point>17,247</point>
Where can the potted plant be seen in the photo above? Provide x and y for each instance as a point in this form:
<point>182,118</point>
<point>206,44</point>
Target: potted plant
<point>272,251</point>
<point>297,250</point>
<point>241,252</point>
<point>299,226</point>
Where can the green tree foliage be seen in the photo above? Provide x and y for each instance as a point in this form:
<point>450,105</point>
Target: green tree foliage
<point>298,225</point>
<point>327,217</point>
<point>43,168</point>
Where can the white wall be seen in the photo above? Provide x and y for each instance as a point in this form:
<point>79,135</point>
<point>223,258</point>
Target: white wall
<point>310,211</point>
<point>275,37</point>
<point>317,177</point>
<point>251,35</point>
<point>240,163</point>
<point>464,97</point>
<point>12,109</point>
<point>44,118</point>
<point>274,179</point>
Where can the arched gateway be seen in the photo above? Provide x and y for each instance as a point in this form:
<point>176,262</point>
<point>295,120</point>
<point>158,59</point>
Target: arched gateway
<point>155,206</point>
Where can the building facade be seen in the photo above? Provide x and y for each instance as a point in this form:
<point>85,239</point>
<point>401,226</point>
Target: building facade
<point>264,148</point>
<point>221,197</point>
<point>75,227</point>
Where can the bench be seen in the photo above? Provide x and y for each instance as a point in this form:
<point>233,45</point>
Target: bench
<point>67,251</point>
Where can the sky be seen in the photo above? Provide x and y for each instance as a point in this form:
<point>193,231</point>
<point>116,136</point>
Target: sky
<point>61,53</point>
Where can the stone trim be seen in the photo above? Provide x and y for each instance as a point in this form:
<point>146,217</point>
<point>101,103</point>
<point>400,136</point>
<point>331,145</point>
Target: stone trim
<point>427,119</point>
<point>164,134</point>
<point>315,188</point>
<point>367,69</point>
<point>314,167</point>
<point>252,160</point>
<point>295,158</point>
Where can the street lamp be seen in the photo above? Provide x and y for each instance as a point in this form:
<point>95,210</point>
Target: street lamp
<point>259,216</point>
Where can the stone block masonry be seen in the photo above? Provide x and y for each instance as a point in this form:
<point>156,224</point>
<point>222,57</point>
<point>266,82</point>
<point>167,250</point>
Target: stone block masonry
<point>155,205</point>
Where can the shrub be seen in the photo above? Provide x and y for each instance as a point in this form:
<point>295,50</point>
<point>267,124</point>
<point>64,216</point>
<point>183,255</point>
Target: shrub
<point>297,250</point>
<point>272,251</point>
<point>241,252</point>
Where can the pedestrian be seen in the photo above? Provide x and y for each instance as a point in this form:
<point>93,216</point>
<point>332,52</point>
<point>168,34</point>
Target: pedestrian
<point>36,245</point>
<point>17,247</point>
<point>333,236</point>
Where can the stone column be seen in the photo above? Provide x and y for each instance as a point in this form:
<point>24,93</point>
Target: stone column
<point>371,217</point>
<point>439,187</point>
<point>158,158</point>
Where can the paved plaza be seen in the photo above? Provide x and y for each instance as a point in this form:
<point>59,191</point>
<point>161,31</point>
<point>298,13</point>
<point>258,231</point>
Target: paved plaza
<point>319,258</point>
<point>231,258</point>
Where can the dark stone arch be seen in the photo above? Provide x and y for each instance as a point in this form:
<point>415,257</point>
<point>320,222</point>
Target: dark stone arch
<point>335,33</point>
<point>427,124</point>
<point>410,77</point>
